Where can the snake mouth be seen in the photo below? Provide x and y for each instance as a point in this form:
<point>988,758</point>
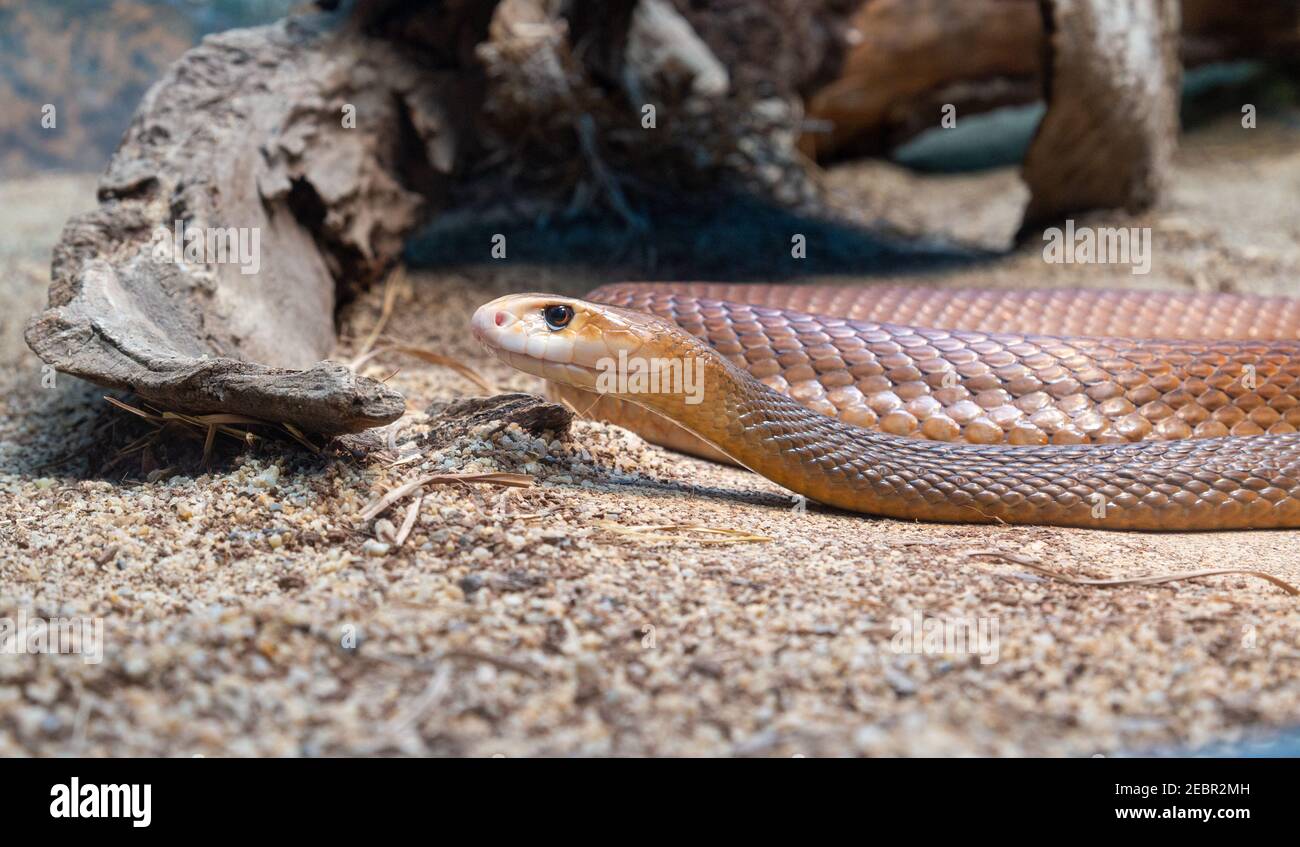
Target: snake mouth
<point>492,328</point>
<point>562,373</point>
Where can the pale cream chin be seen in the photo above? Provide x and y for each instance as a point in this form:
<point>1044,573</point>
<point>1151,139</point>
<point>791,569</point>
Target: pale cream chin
<point>557,372</point>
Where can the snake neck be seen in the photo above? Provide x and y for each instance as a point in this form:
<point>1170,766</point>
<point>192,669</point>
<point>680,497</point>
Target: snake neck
<point>1189,484</point>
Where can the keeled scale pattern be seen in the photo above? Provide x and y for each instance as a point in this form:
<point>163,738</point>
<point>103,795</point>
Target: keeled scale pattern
<point>987,388</point>
<point>1191,484</point>
<point>1058,311</point>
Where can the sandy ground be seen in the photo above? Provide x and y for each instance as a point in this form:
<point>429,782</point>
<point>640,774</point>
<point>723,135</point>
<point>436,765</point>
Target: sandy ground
<point>249,610</point>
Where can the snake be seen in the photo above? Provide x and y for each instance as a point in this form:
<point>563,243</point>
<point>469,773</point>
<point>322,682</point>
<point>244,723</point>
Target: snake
<point>1126,410</point>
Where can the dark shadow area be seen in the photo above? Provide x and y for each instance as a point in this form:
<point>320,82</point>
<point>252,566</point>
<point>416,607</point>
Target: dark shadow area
<point>1216,91</point>
<point>739,237</point>
<point>735,238</point>
<point>651,487</point>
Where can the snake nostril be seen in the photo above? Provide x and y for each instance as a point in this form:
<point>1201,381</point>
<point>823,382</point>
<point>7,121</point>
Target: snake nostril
<point>501,319</point>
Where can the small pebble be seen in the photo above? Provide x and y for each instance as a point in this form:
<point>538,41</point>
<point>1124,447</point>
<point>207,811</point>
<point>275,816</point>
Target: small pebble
<point>268,478</point>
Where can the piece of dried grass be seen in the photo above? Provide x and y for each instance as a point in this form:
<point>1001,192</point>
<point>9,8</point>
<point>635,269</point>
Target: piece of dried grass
<point>433,358</point>
<point>1034,565</point>
<point>407,525</point>
<point>395,281</point>
<point>379,505</point>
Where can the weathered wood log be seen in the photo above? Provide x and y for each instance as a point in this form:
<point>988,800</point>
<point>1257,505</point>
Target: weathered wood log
<point>313,147</point>
<point>913,56</point>
<point>243,145</point>
<point>1111,126</point>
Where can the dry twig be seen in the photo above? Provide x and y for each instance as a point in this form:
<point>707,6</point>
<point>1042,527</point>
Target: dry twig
<point>1033,564</point>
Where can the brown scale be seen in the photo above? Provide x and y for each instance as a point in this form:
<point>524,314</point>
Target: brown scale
<point>1060,311</point>
<point>1187,484</point>
<point>987,387</point>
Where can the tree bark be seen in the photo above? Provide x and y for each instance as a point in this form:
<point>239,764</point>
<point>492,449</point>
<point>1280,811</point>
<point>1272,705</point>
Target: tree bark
<point>1108,137</point>
<point>913,56</point>
<point>245,133</point>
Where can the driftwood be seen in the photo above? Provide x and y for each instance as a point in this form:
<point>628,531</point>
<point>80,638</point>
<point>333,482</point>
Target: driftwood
<point>1108,136</point>
<point>244,134</point>
<point>324,140</point>
<point>911,57</point>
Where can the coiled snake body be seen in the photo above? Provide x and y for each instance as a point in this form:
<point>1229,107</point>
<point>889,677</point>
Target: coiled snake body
<point>1078,408</point>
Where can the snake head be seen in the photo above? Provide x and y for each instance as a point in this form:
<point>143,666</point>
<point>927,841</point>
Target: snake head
<point>593,346</point>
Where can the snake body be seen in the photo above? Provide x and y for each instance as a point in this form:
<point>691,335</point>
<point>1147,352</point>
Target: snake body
<point>980,423</point>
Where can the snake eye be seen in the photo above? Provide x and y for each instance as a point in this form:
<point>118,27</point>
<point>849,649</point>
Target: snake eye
<point>557,317</point>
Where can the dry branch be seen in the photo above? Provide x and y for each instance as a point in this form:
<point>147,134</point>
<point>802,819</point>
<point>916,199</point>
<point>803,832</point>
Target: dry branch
<point>1108,137</point>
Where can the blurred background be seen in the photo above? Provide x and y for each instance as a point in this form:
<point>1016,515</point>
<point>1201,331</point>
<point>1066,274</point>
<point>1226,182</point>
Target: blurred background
<point>95,59</point>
